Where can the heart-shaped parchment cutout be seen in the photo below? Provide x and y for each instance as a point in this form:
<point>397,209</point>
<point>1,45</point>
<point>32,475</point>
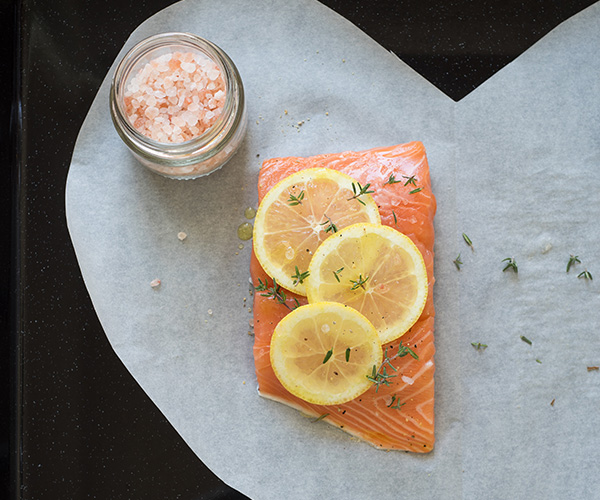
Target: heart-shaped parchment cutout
<point>515,165</point>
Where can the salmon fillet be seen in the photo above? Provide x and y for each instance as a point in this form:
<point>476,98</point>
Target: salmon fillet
<point>369,416</point>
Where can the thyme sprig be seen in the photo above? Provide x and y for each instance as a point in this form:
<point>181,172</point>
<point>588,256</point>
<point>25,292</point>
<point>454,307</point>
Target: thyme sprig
<point>573,259</point>
<point>337,274</point>
<point>585,274</point>
<point>511,264</point>
<point>410,180</point>
<point>299,277</point>
<point>398,405</point>
<point>359,190</point>
<point>296,200</point>
<point>392,180</point>
<point>416,190</point>
<point>457,262</point>
<point>478,345</point>
<point>359,283</point>
<point>275,292</point>
<point>331,227</point>
<point>380,376</point>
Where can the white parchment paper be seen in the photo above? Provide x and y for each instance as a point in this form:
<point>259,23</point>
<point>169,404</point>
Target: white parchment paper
<point>515,165</point>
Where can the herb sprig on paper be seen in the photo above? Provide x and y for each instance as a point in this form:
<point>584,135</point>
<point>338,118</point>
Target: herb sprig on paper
<point>511,264</point>
<point>573,259</point>
<point>457,262</point>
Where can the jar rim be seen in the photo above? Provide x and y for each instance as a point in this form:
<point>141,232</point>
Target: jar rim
<point>205,143</point>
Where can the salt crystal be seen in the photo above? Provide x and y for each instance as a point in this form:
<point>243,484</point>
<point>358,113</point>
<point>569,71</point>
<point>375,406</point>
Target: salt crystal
<point>178,121</point>
<point>190,118</point>
<point>188,67</point>
<point>151,113</point>
<point>193,107</point>
<point>219,95</point>
<point>155,283</point>
<point>182,236</point>
<point>211,86</point>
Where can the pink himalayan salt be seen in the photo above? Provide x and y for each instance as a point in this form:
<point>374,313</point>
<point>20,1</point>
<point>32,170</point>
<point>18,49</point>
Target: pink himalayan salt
<point>175,97</point>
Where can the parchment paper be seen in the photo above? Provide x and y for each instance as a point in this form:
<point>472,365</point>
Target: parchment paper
<point>515,165</point>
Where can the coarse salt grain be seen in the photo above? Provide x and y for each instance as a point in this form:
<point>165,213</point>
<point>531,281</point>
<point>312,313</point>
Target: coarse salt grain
<point>168,100</point>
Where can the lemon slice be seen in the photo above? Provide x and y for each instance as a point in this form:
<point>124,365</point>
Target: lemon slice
<point>298,213</point>
<point>323,353</point>
<point>374,269</point>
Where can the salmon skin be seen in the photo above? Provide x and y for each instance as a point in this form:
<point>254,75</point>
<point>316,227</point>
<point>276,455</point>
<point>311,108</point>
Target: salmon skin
<point>401,416</point>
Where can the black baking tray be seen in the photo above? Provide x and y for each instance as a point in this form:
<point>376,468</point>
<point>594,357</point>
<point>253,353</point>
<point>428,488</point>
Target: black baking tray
<point>76,424</point>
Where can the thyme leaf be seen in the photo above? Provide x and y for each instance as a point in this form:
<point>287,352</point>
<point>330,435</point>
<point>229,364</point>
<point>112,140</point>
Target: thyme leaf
<point>478,345</point>
<point>359,190</point>
<point>331,227</point>
<point>299,277</point>
<point>467,240</point>
<point>416,190</point>
<point>526,340</point>
<point>337,274</point>
<point>328,355</point>
<point>275,292</point>
<point>391,180</point>
<point>585,274</point>
<point>360,282</point>
<point>380,375</point>
<point>347,354</point>
<point>572,260</point>
<point>410,180</point>
<point>512,264</point>
<point>457,262</point>
<point>398,405</point>
<point>296,200</point>
<point>320,417</point>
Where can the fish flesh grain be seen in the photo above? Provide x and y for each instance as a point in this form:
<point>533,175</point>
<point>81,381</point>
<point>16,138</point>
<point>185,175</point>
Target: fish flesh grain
<point>401,416</point>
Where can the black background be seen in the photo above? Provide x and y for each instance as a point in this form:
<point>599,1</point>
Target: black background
<point>80,425</point>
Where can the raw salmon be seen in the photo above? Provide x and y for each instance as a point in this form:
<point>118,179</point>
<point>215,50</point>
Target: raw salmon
<point>371,416</point>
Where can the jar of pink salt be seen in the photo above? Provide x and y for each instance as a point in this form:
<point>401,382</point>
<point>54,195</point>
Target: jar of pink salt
<point>177,101</point>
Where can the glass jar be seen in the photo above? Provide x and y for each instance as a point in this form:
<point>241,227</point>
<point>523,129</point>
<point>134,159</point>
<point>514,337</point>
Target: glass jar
<point>198,155</point>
